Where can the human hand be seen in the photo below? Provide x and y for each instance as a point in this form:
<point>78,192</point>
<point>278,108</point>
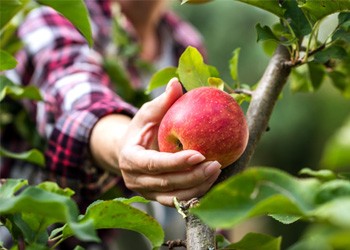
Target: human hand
<point>158,175</point>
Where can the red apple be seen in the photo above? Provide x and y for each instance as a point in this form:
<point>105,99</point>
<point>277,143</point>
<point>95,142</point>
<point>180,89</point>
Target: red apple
<point>208,120</point>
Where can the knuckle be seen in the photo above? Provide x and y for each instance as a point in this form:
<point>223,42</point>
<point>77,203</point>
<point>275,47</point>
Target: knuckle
<point>152,166</point>
<point>146,106</point>
<point>164,183</point>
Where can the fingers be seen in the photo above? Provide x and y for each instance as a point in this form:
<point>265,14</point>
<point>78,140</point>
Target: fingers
<point>166,198</point>
<point>137,159</point>
<point>183,180</point>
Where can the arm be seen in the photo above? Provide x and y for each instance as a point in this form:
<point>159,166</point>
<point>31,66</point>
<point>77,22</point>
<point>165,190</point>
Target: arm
<point>77,93</point>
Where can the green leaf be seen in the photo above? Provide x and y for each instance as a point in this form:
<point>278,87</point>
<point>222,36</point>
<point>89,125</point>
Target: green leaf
<point>119,214</point>
<point>84,230</point>
<point>332,52</point>
<point>265,34</point>
<point>11,186</point>
<point>32,231</point>
<point>323,236</point>
<point>137,199</point>
<point>285,219</point>
<point>234,64</point>
<point>318,9</point>
<point>221,241</point>
<point>161,78</point>
<point>341,34</point>
<point>316,74</point>
<point>76,12</point>
<point>240,98</point>
<point>39,209</point>
<point>256,191</point>
<point>300,80</point>
<point>335,212</point>
<point>54,188</point>
<point>341,81</point>
<point>32,156</point>
<point>193,72</point>
<point>213,71</point>
<point>119,77</point>
<point>8,88</point>
<point>253,241</point>
<point>296,17</point>
<point>343,30</point>
<point>323,174</point>
<point>8,9</point>
<point>216,83</point>
<point>344,20</point>
<point>336,152</point>
<point>40,202</point>
<point>307,78</point>
<point>7,61</point>
<point>332,190</point>
<point>268,5</point>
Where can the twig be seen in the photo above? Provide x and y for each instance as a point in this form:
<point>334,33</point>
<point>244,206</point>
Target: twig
<point>244,91</point>
<point>174,243</point>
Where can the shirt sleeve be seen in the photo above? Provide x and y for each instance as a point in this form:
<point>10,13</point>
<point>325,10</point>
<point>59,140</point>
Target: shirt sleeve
<point>76,90</point>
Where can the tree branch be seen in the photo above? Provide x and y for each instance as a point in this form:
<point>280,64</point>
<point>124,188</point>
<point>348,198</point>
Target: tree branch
<point>261,106</point>
<point>199,236</point>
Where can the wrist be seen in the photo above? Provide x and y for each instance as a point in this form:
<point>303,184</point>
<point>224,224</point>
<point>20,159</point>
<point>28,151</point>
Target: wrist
<point>106,139</point>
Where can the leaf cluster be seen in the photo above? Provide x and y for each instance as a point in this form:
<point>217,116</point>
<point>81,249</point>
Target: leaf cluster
<point>322,197</point>
<point>29,212</point>
<point>193,72</point>
<point>315,59</point>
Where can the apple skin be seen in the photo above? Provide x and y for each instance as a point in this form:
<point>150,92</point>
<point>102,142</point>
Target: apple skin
<point>207,120</point>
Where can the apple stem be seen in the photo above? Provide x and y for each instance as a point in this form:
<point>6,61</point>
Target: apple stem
<point>244,91</point>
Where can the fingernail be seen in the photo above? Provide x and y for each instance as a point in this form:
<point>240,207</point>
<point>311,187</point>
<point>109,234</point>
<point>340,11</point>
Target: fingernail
<point>195,159</point>
<point>212,168</point>
<point>170,84</point>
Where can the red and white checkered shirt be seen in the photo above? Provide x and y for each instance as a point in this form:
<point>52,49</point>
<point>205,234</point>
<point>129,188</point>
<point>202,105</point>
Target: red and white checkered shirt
<point>76,89</point>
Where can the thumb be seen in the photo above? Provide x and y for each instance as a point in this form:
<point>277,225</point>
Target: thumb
<point>154,110</point>
<point>173,92</point>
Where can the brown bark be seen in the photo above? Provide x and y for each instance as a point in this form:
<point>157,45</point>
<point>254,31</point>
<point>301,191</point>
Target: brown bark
<point>198,235</point>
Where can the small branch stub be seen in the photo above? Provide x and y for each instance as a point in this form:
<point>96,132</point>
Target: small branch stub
<point>171,244</point>
<point>199,236</point>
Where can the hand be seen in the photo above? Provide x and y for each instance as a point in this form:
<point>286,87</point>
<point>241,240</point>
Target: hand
<point>158,175</point>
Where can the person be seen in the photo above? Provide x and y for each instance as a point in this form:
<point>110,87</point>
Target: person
<point>96,140</point>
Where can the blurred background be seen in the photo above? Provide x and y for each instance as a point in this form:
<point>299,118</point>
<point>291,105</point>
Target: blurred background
<point>302,126</point>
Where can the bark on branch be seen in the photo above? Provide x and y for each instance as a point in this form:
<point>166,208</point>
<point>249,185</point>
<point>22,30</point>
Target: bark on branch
<point>261,106</point>
<point>199,236</point>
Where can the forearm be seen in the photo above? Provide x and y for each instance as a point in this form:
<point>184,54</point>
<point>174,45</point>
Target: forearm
<point>106,139</point>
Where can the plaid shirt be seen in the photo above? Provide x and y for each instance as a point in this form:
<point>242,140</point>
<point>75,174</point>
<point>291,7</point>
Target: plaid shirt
<point>76,90</point>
